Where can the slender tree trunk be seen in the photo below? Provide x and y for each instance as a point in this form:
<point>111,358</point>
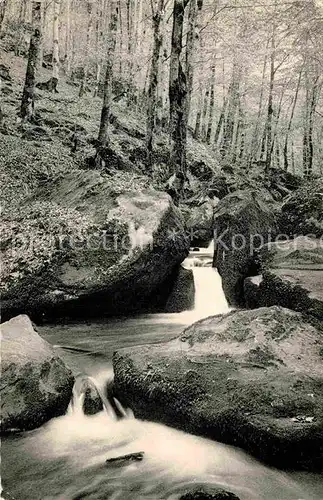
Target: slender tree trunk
<point>22,20</point>
<point>204,114</point>
<point>278,113</point>
<point>312,102</point>
<point>120,40</point>
<point>153,79</point>
<point>177,101</point>
<point>197,130</point>
<point>293,159</point>
<point>195,8</point>
<point>270,109</point>
<point>28,95</point>
<point>285,152</point>
<point>107,96</point>
<point>55,61</point>
<point>87,50</point>
<point>211,110</point>
<point>254,141</point>
<point>3,7</point>
<point>220,122</point>
<point>67,37</point>
<point>130,29</point>
<point>98,42</point>
<point>232,107</point>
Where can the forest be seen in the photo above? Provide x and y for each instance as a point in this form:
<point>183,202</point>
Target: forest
<point>243,77</point>
<point>161,169</point>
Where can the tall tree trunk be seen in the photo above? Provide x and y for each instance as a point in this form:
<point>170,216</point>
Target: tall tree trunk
<point>130,29</point>
<point>3,7</point>
<point>55,61</point>
<point>278,113</point>
<point>98,42</point>
<point>120,41</point>
<point>28,95</point>
<point>107,95</point>
<point>87,50</point>
<point>204,114</point>
<point>285,151</point>
<point>153,79</point>
<point>195,8</point>
<point>220,121</point>
<point>211,110</point>
<point>197,130</point>
<point>254,141</point>
<point>311,102</point>
<point>231,115</point>
<point>177,102</point>
<point>67,55</point>
<point>270,109</point>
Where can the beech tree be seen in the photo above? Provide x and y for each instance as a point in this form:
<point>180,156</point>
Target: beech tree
<point>55,60</point>
<point>180,88</point>
<point>157,15</point>
<point>107,90</point>
<point>28,95</point>
<point>245,77</point>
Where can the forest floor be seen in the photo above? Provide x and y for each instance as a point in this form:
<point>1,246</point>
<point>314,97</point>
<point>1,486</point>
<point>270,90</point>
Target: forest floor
<point>63,135</point>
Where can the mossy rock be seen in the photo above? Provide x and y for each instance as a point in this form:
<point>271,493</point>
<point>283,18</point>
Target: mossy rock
<point>252,379</point>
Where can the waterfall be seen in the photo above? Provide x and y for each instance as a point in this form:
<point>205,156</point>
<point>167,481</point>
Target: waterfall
<point>209,296</point>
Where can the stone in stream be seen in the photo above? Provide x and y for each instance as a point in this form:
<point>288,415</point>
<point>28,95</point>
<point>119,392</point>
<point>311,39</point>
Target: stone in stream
<point>98,251</point>
<point>252,379</point>
<point>241,220</point>
<point>35,383</point>
<point>182,295</point>
<point>208,493</point>
<point>92,403</point>
<point>124,459</point>
<point>292,276</point>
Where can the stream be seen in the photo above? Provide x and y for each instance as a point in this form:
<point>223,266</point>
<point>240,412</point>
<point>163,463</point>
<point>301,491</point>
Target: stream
<point>65,458</point>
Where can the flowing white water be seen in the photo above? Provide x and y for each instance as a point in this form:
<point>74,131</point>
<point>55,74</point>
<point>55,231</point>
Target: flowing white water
<point>65,459</point>
<point>209,297</point>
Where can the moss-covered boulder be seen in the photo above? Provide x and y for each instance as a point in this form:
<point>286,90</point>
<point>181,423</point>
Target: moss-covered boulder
<point>243,221</point>
<point>253,379</point>
<point>35,383</point>
<point>82,246</point>
<point>199,222</point>
<point>291,276</point>
<point>182,295</point>
<point>302,212</point>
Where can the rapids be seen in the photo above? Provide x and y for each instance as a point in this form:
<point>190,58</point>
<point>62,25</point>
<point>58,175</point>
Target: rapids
<point>65,459</point>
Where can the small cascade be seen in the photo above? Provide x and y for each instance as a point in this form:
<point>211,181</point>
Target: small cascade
<point>209,296</point>
<point>112,407</point>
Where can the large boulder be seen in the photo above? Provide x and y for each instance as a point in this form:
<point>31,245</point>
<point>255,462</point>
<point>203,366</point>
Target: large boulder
<point>81,247</point>
<point>253,379</point>
<point>291,276</point>
<point>182,295</point>
<point>199,222</point>
<point>35,383</point>
<point>302,212</point>
<point>243,221</point>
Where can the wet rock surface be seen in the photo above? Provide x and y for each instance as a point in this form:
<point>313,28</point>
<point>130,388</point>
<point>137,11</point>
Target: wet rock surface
<point>253,379</point>
<point>240,219</point>
<point>96,251</point>
<point>208,493</point>
<point>292,276</point>
<point>35,383</point>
